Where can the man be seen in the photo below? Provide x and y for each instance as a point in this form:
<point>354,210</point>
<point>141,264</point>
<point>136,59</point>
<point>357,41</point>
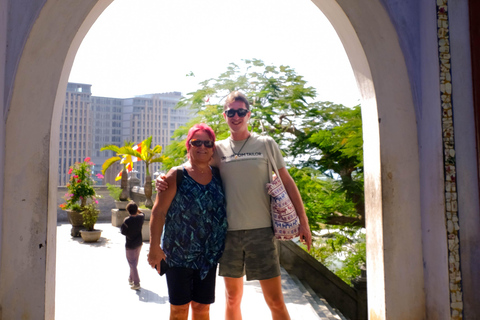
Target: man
<point>250,246</point>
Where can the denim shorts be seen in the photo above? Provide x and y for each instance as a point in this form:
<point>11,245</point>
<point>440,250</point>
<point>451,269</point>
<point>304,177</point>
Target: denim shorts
<point>185,285</point>
<point>251,252</point>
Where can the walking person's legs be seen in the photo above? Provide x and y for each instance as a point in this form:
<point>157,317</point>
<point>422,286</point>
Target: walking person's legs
<point>132,258</point>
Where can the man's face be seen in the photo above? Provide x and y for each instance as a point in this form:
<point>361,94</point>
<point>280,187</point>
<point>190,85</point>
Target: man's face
<point>237,123</point>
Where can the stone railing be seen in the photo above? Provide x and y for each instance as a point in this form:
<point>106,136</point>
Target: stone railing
<point>352,302</point>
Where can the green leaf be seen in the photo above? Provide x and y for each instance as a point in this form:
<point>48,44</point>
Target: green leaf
<point>108,163</point>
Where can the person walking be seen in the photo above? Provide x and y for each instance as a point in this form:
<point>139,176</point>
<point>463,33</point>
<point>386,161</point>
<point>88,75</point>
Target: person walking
<point>243,163</point>
<point>131,228</point>
<point>193,213</point>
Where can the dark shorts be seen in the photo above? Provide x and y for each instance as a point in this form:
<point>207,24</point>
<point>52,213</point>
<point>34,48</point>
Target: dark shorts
<point>251,252</point>
<point>185,285</point>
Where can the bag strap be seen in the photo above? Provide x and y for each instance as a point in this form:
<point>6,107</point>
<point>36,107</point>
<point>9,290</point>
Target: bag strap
<point>179,175</point>
<point>271,161</point>
<point>216,173</point>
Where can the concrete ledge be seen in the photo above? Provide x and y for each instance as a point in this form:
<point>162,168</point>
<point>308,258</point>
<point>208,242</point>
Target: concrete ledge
<point>118,216</point>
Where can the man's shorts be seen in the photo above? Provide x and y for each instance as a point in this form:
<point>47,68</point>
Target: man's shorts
<point>251,252</point>
<point>185,285</point>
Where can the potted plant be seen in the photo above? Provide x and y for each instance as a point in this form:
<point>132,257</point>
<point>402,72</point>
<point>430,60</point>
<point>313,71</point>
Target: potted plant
<point>127,163</point>
<point>90,216</point>
<point>148,156</point>
<point>143,152</point>
<point>115,192</point>
<point>80,190</point>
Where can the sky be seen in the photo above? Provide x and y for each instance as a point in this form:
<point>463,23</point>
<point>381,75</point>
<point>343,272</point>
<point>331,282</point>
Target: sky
<point>149,46</point>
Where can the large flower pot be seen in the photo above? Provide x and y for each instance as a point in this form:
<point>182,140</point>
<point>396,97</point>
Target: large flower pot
<point>75,218</point>
<point>90,236</point>
<point>147,213</point>
<point>121,205</point>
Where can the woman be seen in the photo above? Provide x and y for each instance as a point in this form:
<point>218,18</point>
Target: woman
<point>194,217</point>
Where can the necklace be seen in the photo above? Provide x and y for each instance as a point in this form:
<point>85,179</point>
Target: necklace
<point>237,153</point>
<point>198,168</point>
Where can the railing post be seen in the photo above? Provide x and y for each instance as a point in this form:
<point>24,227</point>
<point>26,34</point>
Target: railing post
<point>360,285</point>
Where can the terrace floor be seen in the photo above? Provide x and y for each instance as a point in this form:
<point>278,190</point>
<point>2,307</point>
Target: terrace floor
<point>92,279</point>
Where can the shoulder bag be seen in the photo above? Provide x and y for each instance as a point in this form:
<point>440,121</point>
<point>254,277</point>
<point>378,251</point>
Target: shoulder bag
<point>286,224</point>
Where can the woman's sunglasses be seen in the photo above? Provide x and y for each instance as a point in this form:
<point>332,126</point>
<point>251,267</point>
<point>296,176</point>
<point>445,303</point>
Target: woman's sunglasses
<point>198,143</point>
<point>241,112</point>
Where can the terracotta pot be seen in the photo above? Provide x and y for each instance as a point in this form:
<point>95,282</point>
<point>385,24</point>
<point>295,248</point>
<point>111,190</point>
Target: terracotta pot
<point>75,218</point>
<point>90,236</point>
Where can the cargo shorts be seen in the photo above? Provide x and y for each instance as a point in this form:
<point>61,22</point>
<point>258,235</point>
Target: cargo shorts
<point>251,252</point>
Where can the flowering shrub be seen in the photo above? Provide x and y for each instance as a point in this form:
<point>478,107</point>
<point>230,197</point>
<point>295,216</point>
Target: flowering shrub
<point>80,186</point>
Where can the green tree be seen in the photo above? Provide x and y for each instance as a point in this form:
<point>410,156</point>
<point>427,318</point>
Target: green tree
<point>323,138</point>
<point>321,141</point>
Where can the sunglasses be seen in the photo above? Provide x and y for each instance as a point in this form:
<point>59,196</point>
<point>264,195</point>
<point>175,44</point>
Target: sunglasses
<point>198,143</point>
<point>241,112</point>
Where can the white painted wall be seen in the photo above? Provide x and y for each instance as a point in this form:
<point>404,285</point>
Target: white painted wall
<point>394,251</point>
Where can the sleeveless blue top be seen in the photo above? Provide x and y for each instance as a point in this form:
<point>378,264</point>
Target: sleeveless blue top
<point>196,225</point>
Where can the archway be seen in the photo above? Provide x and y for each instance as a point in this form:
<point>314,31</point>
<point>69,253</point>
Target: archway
<point>391,163</point>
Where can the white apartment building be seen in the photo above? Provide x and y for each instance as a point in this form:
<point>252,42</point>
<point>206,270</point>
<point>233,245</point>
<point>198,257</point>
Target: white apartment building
<point>91,122</point>
<point>152,115</point>
<point>75,129</point>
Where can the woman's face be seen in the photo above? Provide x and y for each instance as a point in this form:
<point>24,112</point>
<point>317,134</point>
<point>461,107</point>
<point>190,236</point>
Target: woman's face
<point>200,154</point>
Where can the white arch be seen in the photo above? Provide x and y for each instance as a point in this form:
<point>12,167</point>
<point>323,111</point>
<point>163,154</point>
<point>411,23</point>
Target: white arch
<point>391,161</point>
<point>29,220</point>
<point>392,186</point>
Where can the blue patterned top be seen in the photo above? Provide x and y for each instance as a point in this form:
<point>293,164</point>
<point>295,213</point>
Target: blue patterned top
<point>196,225</point>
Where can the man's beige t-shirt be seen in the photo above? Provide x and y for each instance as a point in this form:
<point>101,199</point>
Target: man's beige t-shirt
<point>244,174</point>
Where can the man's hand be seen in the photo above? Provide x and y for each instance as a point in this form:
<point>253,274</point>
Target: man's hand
<point>305,235</point>
<point>161,184</point>
<point>155,256</point>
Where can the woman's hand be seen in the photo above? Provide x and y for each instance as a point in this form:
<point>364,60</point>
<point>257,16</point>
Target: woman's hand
<point>155,256</point>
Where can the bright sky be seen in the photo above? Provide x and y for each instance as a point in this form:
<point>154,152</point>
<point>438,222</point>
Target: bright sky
<point>148,46</point>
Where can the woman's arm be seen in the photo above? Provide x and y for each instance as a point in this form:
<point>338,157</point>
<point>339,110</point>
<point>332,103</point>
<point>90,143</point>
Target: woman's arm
<point>157,220</point>
<point>294,194</point>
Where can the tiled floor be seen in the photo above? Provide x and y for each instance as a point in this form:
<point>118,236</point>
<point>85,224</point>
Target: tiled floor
<point>92,279</point>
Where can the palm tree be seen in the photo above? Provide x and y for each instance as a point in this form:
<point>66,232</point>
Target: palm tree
<point>120,151</point>
<point>148,156</point>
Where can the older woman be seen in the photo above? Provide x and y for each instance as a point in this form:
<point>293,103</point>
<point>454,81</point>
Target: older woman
<point>194,215</point>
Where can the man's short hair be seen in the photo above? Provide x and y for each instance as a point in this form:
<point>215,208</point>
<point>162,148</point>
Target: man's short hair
<point>236,96</point>
<point>132,207</point>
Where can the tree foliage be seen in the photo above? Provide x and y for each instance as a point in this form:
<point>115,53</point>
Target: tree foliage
<point>321,139</point>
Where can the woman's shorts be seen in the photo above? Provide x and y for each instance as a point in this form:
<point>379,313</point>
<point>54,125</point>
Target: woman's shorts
<point>185,285</point>
<point>251,252</point>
